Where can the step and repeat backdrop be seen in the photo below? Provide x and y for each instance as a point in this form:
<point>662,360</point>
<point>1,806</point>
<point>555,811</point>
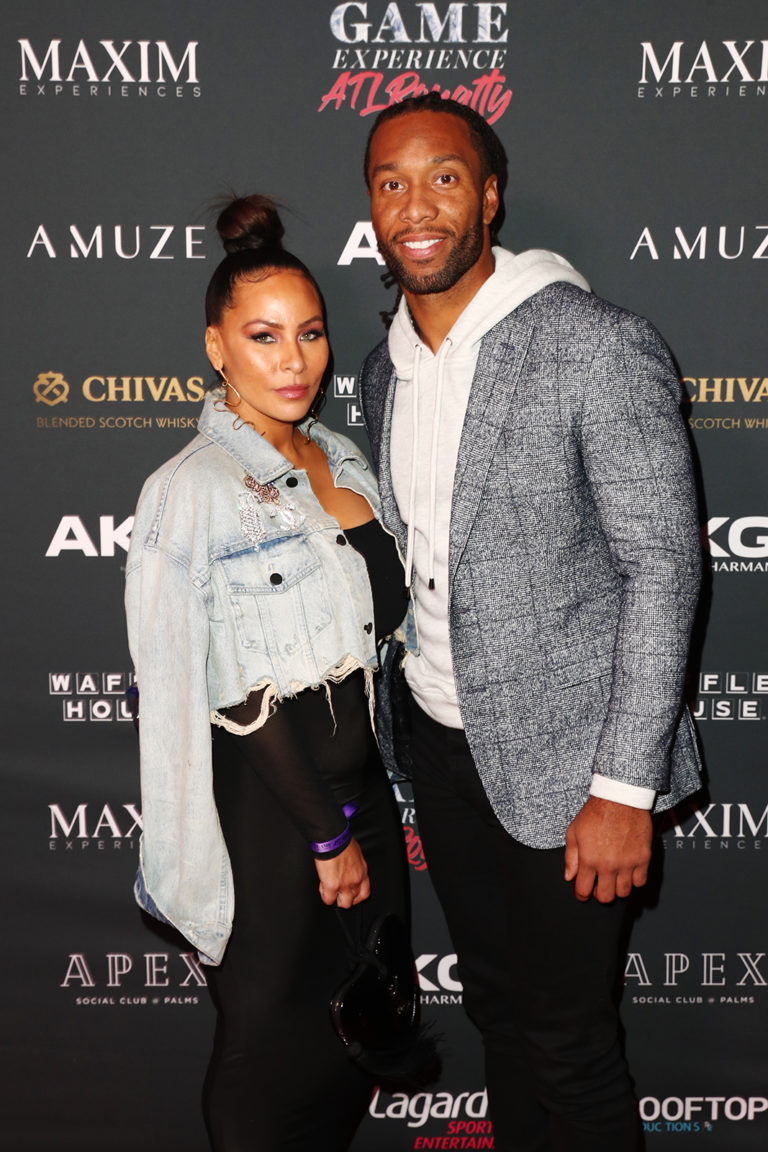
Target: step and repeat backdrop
<point>636,137</point>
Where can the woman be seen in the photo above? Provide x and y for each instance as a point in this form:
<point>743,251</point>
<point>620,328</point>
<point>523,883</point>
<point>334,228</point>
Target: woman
<point>258,583</point>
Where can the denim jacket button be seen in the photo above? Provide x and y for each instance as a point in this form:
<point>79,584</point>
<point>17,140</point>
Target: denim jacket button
<point>275,578</point>
<point>368,628</point>
<point>291,482</point>
<point>341,539</point>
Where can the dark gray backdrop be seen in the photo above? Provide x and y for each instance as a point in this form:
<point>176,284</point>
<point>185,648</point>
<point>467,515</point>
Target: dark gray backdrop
<point>636,140</point>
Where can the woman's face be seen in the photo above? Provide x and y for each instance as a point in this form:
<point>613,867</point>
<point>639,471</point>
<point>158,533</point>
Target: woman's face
<point>273,348</point>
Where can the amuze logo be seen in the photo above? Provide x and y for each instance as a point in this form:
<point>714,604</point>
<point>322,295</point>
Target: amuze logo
<point>457,49</point>
<point>51,388</point>
<point>107,67</point>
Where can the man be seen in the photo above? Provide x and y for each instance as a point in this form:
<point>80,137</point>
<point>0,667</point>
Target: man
<point>534,468</point>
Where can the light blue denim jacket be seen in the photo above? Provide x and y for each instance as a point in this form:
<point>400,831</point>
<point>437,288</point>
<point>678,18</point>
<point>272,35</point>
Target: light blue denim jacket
<point>230,588</point>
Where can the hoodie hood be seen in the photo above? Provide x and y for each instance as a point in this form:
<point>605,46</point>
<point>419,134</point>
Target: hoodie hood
<point>514,280</point>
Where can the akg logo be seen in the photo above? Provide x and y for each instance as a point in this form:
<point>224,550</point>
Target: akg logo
<point>441,985</point>
<point>51,388</point>
<point>71,535</point>
<point>746,537</point>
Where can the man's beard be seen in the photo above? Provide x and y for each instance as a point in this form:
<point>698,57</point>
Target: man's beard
<point>465,254</point>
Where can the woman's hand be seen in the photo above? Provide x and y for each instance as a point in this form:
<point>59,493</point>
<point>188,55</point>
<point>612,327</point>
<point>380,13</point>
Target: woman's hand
<point>344,879</point>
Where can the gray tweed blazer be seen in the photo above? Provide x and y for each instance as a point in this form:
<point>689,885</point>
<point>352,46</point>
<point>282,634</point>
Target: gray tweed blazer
<point>574,558</point>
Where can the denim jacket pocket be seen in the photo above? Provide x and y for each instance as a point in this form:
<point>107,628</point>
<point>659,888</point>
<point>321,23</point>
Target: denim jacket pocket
<point>278,593</point>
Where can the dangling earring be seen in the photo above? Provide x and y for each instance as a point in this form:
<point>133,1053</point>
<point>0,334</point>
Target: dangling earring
<point>314,414</point>
<point>220,403</point>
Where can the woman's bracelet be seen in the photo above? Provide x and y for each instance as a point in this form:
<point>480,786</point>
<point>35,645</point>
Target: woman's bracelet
<point>328,848</point>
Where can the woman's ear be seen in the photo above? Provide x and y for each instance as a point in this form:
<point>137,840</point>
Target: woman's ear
<point>213,347</point>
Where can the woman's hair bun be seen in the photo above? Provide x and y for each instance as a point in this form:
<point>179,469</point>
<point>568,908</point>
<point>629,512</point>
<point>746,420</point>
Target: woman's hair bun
<point>250,222</point>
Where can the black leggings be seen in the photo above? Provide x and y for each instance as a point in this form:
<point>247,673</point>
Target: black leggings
<point>279,1079</point>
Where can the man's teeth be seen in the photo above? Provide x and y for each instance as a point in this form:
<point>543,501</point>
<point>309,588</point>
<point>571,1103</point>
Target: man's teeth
<point>420,243</point>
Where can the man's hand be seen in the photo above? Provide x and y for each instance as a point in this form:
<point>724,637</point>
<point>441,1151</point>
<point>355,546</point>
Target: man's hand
<point>607,849</point>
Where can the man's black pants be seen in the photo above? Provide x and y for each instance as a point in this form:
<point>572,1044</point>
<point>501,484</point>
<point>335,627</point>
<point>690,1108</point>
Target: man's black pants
<point>538,968</point>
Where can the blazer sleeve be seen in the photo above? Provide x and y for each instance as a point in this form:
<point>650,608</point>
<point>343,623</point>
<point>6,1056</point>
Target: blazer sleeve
<point>637,461</point>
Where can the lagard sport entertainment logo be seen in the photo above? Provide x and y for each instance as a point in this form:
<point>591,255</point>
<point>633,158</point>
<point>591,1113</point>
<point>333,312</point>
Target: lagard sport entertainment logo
<point>51,389</point>
<point>385,53</point>
<point>107,68</point>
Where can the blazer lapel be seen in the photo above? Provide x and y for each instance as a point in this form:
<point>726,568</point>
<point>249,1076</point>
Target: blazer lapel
<point>499,362</point>
<point>389,509</point>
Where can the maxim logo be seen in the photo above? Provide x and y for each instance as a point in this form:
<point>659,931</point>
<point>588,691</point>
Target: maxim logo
<point>153,242</point>
<point>85,825</point>
<point>715,825</point>
<point>720,64</point>
<point>705,68</point>
<point>94,68</point>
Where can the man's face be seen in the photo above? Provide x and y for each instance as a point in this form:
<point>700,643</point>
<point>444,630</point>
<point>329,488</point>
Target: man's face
<point>430,206</point>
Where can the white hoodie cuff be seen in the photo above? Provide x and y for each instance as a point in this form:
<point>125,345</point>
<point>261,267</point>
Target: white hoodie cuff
<point>621,793</point>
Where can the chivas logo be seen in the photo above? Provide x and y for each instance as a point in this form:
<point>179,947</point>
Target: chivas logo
<point>51,388</point>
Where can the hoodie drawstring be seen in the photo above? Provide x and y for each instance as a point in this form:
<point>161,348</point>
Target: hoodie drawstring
<point>436,417</point>
<point>414,465</point>
<point>445,348</point>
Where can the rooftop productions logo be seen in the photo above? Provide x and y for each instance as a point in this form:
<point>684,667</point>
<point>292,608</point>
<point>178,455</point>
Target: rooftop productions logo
<point>106,68</point>
<point>702,69</point>
<point>385,53</point>
<point>698,1113</point>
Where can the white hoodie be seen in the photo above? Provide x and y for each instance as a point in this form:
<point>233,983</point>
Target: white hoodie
<point>430,404</point>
